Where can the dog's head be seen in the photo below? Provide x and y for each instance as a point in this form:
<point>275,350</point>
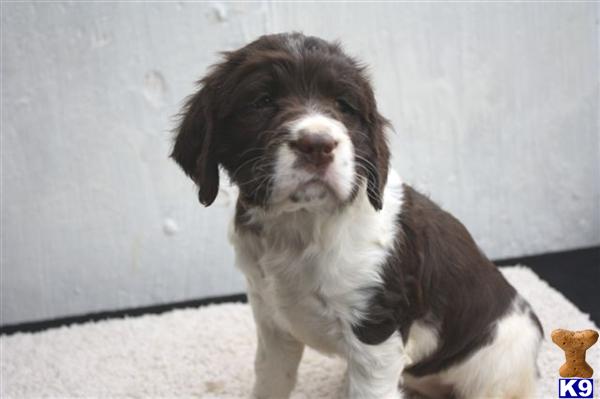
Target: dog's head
<point>293,121</point>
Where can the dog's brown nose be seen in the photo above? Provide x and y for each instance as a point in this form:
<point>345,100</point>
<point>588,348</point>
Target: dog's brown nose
<point>316,148</point>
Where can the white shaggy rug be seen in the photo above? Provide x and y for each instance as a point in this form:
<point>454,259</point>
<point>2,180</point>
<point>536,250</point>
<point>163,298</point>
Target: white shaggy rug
<point>208,353</point>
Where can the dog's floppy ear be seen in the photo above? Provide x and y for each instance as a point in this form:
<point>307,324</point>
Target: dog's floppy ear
<point>194,147</point>
<point>379,164</point>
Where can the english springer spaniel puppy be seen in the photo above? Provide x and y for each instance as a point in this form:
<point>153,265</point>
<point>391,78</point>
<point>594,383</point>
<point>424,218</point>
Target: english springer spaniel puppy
<point>338,253</point>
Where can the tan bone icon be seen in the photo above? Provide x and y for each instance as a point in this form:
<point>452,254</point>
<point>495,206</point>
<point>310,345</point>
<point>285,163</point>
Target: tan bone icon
<point>575,343</point>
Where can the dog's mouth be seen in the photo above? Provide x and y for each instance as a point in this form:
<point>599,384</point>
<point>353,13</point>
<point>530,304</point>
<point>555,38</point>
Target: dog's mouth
<point>316,189</point>
<point>306,186</point>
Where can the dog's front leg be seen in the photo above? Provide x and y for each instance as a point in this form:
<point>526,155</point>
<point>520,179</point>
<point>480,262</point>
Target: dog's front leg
<point>277,356</point>
<point>374,370</point>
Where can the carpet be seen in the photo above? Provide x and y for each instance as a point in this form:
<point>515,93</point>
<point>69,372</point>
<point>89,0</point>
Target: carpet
<point>208,352</point>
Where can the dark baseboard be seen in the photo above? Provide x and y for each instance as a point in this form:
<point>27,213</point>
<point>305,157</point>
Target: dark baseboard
<point>579,285</point>
<point>117,314</point>
<point>576,274</point>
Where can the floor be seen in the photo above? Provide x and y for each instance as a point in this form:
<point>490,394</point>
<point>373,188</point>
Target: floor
<point>208,352</point>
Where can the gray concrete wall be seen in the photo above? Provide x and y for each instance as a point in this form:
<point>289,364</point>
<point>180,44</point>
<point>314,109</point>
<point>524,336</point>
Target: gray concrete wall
<point>495,108</point>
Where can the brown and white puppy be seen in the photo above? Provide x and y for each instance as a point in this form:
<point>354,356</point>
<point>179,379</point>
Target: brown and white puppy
<point>337,254</point>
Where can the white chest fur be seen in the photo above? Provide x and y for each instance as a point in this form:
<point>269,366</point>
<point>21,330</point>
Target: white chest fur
<point>310,270</point>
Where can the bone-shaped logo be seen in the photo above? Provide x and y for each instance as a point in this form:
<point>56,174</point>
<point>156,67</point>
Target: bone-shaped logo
<point>575,343</point>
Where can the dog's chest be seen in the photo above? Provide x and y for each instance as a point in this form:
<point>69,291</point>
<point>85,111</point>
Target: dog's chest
<point>313,300</point>
<point>315,288</point>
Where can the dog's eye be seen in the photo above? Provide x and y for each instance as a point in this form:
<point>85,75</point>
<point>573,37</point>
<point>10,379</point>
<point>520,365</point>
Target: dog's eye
<point>263,101</point>
<point>345,106</point>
